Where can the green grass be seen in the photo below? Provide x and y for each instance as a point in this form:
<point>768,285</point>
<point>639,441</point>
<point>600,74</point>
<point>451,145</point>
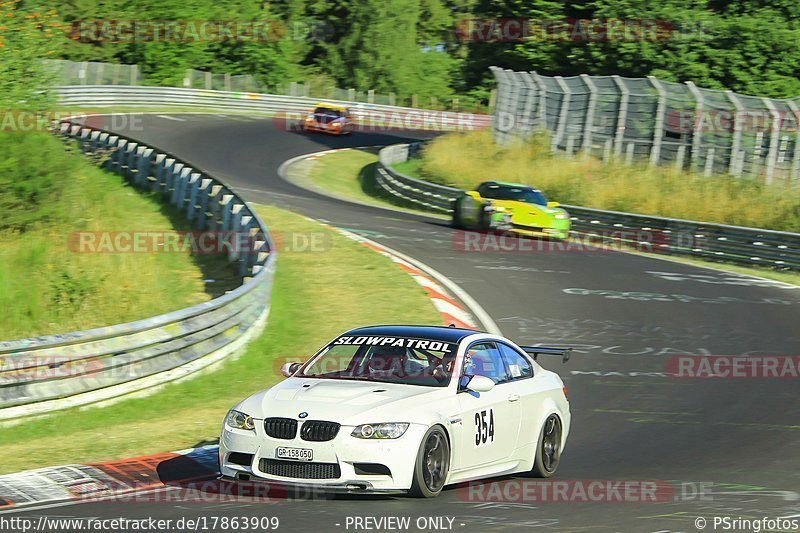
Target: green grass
<point>334,175</point>
<point>466,159</point>
<point>47,287</point>
<point>314,299</point>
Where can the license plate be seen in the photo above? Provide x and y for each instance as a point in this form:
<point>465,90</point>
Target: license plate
<point>297,454</point>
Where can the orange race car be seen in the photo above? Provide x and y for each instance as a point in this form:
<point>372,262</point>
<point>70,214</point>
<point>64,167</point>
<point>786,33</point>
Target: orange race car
<point>329,118</point>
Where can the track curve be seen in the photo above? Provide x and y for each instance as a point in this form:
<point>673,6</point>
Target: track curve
<point>624,314</point>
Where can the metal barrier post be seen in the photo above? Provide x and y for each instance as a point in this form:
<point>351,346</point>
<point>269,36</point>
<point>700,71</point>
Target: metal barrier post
<point>658,128</point>
<point>622,115</point>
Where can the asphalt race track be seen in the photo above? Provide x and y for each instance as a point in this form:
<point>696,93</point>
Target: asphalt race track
<point>723,447</point>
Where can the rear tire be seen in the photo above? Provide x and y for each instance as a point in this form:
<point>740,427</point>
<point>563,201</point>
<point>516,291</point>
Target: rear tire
<point>432,464</point>
<point>548,448</point>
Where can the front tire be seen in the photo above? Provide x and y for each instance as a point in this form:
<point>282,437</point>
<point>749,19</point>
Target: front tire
<point>548,448</point>
<point>432,464</point>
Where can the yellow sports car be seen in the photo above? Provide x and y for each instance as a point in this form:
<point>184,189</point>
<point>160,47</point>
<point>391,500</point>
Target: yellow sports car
<point>499,206</point>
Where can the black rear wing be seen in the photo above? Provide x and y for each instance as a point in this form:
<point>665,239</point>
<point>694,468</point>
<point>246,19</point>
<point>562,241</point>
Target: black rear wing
<point>565,353</point>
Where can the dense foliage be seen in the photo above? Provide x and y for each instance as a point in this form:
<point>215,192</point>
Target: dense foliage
<point>419,46</point>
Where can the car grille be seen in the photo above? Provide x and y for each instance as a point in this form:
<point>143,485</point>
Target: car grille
<point>280,428</point>
<point>300,470</point>
<point>319,431</point>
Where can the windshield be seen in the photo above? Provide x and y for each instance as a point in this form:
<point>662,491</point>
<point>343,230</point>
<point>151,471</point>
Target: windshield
<point>508,192</point>
<point>403,360</point>
<point>327,111</point>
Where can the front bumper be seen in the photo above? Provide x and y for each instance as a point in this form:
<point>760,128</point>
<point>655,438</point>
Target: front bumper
<point>521,225</point>
<point>344,451</point>
<point>316,488</point>
<point>326,128</point>
<point>553,233</point>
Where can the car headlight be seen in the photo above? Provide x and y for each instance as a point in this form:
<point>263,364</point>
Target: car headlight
<point>561,216</point>
<point>239,420</point>
<point>390,430</point>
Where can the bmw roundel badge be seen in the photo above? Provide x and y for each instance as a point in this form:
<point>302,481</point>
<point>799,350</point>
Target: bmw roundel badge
<point>303,414</point>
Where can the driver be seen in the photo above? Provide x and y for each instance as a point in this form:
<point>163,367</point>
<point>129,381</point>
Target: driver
<point>387,360</point>
<point>438,367</point>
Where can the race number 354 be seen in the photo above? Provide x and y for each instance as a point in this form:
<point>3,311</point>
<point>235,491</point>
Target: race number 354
<point>484,427</point>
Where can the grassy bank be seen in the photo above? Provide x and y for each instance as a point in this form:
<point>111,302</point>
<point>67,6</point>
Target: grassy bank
<point>349,174</point>
<point>465,159</point>
<point>314,299</point>
<point>47,195</point>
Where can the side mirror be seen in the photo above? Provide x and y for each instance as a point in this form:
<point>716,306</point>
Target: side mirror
<point>288,369</point>
<point>553,204</point>
<point>480,384</point>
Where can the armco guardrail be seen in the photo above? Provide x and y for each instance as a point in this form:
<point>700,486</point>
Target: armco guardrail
<point>39,375</point>
<point>96,96</point>
<point>748,246</point>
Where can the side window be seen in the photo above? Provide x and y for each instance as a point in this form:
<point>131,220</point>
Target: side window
<point>484,359</point>
<point>518,366</point>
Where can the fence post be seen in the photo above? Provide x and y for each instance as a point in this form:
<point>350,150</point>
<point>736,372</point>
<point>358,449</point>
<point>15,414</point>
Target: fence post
<point>774,139</point>
<point>530,101</point>
<point>755,165</point>
<point>658,128</point>
<point>542,109</point>
<point>516,89</point>
<point>208,80</point>
<point>502,111</point>
<point>371,96</point>
<point>134,74</point>
<point>226,81</point>
<point>187,81</point>
<point>201,203</point>
<point>622,115</point>
<point>98,79</point>
<point>698,125</point>
<point>607,147</point>
<point>570,148</point>
<point>736,141</point>
<point>588,125</point>
<point>182,173</point>
<point>709,167</point>
<point>795,172</point>
<point>562,115</point>
<point>679,158</point>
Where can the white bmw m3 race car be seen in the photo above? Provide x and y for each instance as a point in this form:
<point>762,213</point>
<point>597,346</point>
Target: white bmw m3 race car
<point>402,408</point>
